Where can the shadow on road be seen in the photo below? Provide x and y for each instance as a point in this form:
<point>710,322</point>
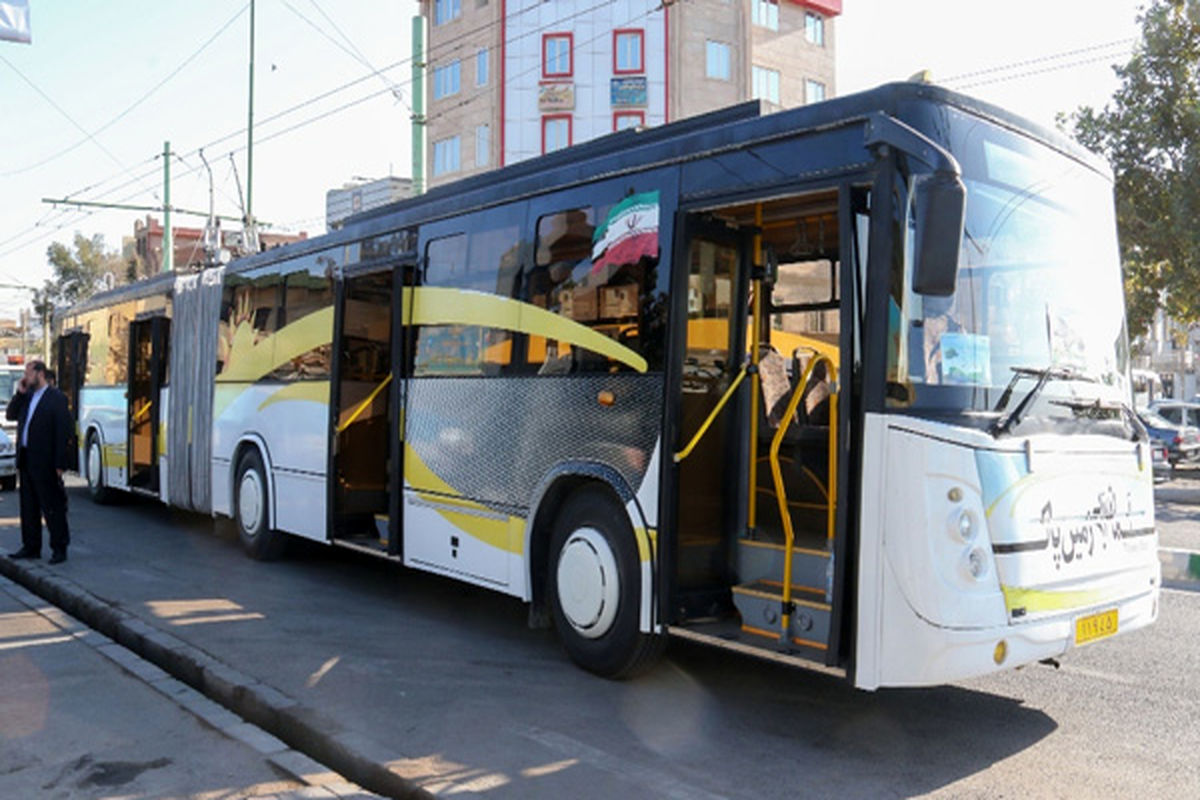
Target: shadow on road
<point>448,674</point>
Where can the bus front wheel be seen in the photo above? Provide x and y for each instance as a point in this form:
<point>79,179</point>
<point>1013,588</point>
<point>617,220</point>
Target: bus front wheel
<point>594,587</point>
<point>251,496</point>
<point>94,464</point>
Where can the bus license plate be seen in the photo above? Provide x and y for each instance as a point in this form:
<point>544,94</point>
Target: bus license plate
<point>1095,626</point>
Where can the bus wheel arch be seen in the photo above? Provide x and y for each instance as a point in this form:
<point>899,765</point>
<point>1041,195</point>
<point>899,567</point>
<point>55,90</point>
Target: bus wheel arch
<point>251,504</point>
<point>592,585</point>
<point>93,464</point>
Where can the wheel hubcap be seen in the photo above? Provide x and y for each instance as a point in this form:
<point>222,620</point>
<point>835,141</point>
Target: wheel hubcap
<point>588,583</point>
<point>93,465</point>
<point>250,501</point>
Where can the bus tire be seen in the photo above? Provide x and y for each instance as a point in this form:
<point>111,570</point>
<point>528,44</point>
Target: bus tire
<point>251,501</point>
<point>594,587</point>
<point>94,467</point>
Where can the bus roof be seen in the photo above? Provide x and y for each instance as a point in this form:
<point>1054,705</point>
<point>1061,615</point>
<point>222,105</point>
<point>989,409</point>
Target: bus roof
<point>627,151</point>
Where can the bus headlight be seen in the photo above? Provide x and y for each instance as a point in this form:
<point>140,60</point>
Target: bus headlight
<point>977,562</point>
<point>964,525</point>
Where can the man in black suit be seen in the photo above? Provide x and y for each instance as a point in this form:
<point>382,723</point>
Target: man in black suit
<point>43,430</point>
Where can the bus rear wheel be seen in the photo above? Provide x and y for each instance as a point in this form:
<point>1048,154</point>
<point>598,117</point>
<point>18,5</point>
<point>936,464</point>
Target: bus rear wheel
<point>594,587</point>
<point>251,497</point>
<point>94,464</point>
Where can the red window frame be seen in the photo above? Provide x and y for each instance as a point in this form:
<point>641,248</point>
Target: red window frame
<point>570,128</point>
<point>570,37</point>
<point>641,34</point>
<point>640,115</point>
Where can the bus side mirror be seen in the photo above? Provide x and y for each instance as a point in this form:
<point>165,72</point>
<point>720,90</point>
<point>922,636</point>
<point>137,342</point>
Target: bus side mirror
<point>939,210</point>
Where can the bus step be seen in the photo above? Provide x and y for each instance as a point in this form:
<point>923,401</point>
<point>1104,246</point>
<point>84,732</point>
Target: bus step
<point>761,605</point>
<point>811,567</point>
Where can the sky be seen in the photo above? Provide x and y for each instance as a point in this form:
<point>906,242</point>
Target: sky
<point>85,109</point>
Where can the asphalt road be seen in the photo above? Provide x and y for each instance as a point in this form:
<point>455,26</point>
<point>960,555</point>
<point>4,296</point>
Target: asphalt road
<point>446,686</point>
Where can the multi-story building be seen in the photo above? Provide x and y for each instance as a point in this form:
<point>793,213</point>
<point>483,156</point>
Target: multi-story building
<point>512,79</point>
<point>363,194</point>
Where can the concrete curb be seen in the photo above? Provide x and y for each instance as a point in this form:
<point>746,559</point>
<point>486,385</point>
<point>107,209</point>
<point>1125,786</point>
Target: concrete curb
<point>299,727</point>
<point>1180,568</point>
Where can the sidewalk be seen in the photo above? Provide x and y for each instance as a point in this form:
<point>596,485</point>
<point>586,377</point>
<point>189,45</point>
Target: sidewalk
<point>82,716</point>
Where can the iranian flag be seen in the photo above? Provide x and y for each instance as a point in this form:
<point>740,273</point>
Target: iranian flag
<point>629,232</point>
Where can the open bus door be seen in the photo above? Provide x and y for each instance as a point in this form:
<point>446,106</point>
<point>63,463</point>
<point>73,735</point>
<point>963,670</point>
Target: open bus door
<point>365,450</point>
<point>709,509</point>
<point>72,368</point>
<point>147,376</point>
<point>757,482</point>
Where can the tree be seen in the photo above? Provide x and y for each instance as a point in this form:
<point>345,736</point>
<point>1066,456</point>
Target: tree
<point>1150,133</point>
<point>78,274</point>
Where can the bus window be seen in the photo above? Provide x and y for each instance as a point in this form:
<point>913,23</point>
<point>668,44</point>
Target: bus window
<point>486,261</point>
<point>249,305</point>
<point>306,293</point>
<point>603,293</point>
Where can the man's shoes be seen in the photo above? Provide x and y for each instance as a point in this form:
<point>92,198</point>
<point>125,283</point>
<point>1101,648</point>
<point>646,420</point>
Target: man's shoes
<point>23,553</point>
<point>58,557</point>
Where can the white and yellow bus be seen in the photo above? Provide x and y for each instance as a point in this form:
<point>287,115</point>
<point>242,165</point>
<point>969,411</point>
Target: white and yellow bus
<point>845,386</point>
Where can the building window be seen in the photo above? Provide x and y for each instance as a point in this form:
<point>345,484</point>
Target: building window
<point>716,60</point>
<point>483,145</point>
<point>814,28</point>
<point>628,119</point>
<point>814,91</point>
<point>556,132</point>
<point>447,80</point>
<point>765,13</point>
<point>766,84</point>
<point>556,55</point>
<point>629,52</point>
<point>446,156</point>
<point>446,10</point>
<point>481,67</point>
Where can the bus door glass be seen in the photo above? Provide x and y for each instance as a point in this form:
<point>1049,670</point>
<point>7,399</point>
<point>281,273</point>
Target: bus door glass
<point>72,365</point>
<point>707,477</point>
<point>364,421</point>
<point>147,376</point>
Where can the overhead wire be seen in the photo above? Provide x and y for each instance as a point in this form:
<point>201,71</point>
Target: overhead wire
<point>1125,44</point>
<point>145,96</point>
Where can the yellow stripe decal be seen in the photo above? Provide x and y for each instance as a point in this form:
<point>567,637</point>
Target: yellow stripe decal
<point>310,391</point>
<point>438,306</point>
<point>249,360</point>
<point>1038,600</point>
<point>504,534</point>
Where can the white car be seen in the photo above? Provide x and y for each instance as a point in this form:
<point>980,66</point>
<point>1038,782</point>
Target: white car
<point>8,461</point>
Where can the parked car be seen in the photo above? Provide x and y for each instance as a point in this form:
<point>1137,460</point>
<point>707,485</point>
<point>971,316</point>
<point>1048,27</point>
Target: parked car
<point>1180,412</point>
<point>10,376</point>
<point>1182,442</point>
<point>1164,470</point>
<point>8,461</point>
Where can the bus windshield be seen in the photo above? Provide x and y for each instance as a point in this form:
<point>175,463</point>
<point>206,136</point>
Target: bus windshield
<point>1039,288</point>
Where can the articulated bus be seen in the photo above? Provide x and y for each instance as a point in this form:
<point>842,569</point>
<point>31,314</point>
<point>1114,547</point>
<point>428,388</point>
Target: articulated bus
<point>844,386</point>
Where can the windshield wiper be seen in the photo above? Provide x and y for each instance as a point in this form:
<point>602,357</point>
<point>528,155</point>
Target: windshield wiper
<point>1044,376</point>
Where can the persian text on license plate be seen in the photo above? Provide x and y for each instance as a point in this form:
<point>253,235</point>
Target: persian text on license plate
<point>1095,626</point>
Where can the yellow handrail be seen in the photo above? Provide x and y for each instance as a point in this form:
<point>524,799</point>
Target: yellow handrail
<point>364,404</point>
<point>687,451</point>
<point>789,533</point>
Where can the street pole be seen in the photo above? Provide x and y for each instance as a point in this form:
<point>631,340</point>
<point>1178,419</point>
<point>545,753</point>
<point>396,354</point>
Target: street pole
<point>250,140</point>
<point>418,95</point>
<point>168,246</point>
